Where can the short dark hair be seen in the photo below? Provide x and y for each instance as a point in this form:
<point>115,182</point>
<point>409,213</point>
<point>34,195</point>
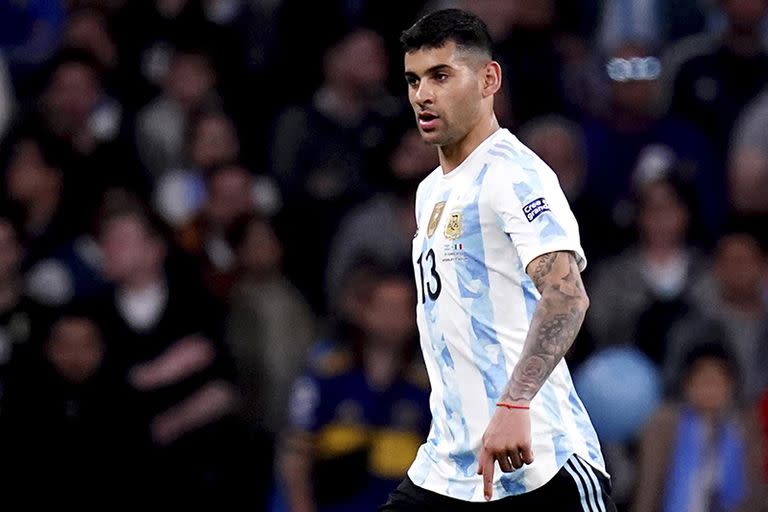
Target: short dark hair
<point>118,203</point>
<point>713,349</point>
<point>438,28</point>
<point>69,56</point>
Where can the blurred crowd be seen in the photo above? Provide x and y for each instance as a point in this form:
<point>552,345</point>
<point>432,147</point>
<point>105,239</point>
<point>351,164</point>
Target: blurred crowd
<point>206,209</point>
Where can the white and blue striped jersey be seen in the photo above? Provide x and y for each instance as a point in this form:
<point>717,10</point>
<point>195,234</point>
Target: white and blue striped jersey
<point>479,226</point>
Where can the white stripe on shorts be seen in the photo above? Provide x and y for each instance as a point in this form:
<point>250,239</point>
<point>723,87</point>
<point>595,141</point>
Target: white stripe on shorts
<point>595,483</point>
<point>580,486</point>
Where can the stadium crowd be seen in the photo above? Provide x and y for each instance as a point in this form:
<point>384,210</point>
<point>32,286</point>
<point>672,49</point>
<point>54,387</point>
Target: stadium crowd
<point>206,213</point>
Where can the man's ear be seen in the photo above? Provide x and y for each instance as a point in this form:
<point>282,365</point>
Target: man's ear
<point>491,78</point>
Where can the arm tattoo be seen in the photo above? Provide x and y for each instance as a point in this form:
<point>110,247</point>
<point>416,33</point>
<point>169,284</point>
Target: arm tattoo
<point>555,323</point>
<point>542,267</point>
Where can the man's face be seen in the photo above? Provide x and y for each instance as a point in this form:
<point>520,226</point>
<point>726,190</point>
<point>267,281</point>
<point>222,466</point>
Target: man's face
<point>28,173</point>
<point>230,195</point>
<point>389,316</point>
<point>739,267</point>
<point>75,349</point>
<point>664,216</point>
<point>71,96</point>
<point>214,142</point>
<point>128,248</point>
<point>445,88</point>
<point>190,79</point>
<point>709,387</point>
<point>359,62</point>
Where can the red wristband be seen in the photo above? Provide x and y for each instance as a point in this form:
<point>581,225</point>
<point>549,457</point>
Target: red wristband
<point>510,406</point>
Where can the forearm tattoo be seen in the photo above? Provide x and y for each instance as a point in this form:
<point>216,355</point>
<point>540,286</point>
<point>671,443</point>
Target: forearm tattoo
<point>555,323</point>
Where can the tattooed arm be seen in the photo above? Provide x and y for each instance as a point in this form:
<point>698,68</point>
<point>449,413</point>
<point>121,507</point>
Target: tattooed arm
<point>556,321</point>
<point>555,324</point>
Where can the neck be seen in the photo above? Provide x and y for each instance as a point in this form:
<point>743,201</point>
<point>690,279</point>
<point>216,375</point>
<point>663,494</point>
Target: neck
<point>382,365</point>
<point>142,281</point>
<point>452,155</point>
<point>662,253</point>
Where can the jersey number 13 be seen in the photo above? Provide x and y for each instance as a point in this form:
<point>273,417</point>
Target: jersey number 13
<point>433,293</point>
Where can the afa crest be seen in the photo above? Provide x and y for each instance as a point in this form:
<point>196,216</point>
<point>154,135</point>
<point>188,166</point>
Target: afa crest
<point>434,219</point>
<point>454,227</point>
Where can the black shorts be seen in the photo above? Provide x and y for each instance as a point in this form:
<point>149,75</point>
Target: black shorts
<point>575,488</point>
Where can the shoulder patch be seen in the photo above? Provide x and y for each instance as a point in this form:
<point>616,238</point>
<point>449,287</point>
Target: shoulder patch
<point>535,208</point>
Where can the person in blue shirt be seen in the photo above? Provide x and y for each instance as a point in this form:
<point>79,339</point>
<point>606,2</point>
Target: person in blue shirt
<point>360,411</point>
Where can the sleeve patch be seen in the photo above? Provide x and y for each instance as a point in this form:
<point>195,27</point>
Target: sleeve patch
<point>535,208</point>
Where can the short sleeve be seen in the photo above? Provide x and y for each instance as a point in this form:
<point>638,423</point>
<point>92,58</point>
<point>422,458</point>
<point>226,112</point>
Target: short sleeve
<point>533,210</point>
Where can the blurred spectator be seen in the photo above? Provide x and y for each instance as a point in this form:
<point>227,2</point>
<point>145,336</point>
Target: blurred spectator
<point>357,419</point>
<point>382,228</point>
<point>61,260</point>
<point>702,454</point>
<point>244,43</point>
<point>7,102</point>
<point>269,327</point>
<point>67,426</point>
<point>87,28</point>
<point>164,335</point>
<point>34,183</point>
<point>636,296</point>
<point>253,23</point>
<point>560,143</point>
<point>29,34</point>
<point>145,55</point>
<point>75,105</point>
<point>19,315</point>
<point>321,151</point>
<point>710,78</point>
<point>211,141</point>
<point>78,111</point>
<point>232,192</point>
<point>632,123</point>
<point>161,126</point>
<point>532,61</point>
<point>297,23</point>
<point>748,159</point>
<point>737,311</point>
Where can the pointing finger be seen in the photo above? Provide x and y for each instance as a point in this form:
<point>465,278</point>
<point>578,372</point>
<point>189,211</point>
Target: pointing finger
<point>488,478</point>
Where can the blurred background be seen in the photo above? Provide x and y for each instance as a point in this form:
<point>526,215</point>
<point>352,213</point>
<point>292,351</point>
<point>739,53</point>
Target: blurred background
<point>205,222</point>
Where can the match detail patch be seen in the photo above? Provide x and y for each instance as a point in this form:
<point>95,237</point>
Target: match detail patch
<point>535,208</point>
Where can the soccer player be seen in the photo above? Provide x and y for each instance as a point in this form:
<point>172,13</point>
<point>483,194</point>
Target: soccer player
<point>497,262</point>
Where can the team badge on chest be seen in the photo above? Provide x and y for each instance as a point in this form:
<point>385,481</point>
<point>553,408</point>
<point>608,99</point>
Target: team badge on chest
<point>454,227</point>
<point>434,219</point>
